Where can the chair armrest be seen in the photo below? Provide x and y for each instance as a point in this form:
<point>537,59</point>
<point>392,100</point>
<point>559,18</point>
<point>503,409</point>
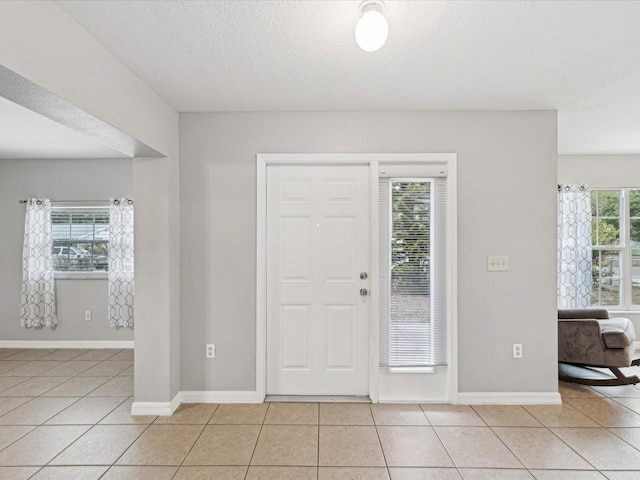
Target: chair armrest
<point>580,341</point>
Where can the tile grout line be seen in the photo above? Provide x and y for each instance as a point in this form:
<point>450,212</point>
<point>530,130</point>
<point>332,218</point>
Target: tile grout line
<point>255,446</point>
<point>478,414</point>
<point>455,464</point>
<point>507,446</point>
<point>613,399</point>
<point>113,464</point>
<point>71,378</point>
<point>21,381</point>
<point>204,427</point>
<point>384,457</point>
<point>600,425</point>
<point>608,429</point>
<point>433,427</point>
<point>570,447</point>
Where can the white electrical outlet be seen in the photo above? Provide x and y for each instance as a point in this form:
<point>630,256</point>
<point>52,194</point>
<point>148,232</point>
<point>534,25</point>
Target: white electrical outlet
<point>498,263</point>
<point>517,350</point>
<point>211,350</point>
<point>87,315</point>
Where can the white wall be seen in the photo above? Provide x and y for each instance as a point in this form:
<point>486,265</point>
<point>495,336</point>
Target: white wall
<point>40,42</point>
<point>507,172</point>
<point>58,180</point>
<point>602,171</point>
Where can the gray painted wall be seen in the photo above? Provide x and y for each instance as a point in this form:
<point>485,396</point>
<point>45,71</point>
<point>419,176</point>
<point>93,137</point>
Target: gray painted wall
<point>58,180</point>
<point>507,174</point>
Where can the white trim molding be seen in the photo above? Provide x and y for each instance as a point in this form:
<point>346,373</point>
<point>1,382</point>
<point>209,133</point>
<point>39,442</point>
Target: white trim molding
<point>156,408</point>
<point>210,396</point>
<point>509,398</point>
<point>167,408</point>
<point>66,344</point>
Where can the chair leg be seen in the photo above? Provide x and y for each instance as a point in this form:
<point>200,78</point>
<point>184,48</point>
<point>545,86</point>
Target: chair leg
<point>587,376</point>
<point>624,379</point>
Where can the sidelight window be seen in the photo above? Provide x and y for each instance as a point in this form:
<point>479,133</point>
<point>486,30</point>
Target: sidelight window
<point>413,273</point>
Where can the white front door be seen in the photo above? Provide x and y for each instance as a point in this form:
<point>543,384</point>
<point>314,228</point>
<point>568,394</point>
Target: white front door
<point>317,265</point>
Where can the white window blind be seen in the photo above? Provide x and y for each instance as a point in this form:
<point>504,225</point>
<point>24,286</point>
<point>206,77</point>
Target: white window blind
<point>413,330</point>
<point>80,237</point>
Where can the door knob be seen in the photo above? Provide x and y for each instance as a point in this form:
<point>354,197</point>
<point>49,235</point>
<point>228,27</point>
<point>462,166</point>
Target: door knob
<point>364,292</point>
<point>363,276</point>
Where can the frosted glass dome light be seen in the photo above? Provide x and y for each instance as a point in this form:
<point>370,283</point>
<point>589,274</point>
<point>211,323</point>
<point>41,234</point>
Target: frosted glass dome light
<point>372,28</point>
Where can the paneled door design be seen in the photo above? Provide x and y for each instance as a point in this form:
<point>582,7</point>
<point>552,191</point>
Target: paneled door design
<point>317,280</point>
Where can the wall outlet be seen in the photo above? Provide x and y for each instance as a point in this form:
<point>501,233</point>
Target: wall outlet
<point>87,315</point>
<point>517,350</point>
<point>211,350</point>
<point>498,263</point>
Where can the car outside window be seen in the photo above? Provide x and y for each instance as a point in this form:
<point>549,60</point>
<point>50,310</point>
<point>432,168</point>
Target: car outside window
<point>80,239</point>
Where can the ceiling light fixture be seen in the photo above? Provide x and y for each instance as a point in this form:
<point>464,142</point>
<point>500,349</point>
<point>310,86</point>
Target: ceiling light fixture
<point>372,28</point>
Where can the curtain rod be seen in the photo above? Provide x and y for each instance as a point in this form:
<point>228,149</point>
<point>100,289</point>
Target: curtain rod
<point>79,202</point>
<point>603,187</point>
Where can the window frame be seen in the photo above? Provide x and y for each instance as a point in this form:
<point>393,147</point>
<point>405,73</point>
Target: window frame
<point>431,238</point>
<point>624,248</point>
<point>96,206</point>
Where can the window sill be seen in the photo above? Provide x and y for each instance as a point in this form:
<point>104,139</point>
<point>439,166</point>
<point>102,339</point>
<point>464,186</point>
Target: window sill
<point>81,275</point>
<point>622,311</point>
<point>412,370</point>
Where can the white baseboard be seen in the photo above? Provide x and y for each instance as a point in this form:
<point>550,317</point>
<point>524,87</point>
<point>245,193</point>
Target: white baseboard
<point>66,343</point>
<point>210,396</point>
<point>167,408</point>
<point>156,408</point>
<point>412,399</point>
<point>509,398</point>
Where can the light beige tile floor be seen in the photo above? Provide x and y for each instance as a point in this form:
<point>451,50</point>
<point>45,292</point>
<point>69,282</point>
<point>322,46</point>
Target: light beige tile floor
<point>65,414</point>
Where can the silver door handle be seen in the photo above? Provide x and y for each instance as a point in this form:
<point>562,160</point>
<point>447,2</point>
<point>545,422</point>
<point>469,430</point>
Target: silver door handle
<point>364,292</point>
<point>363,275</point>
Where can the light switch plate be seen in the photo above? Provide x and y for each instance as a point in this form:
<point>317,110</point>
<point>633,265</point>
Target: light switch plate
<point>498,263</point>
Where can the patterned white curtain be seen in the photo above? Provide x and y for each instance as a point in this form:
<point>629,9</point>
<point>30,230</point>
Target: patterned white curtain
<point>38,299</point>
<point>574,246</point>
<point>121,284</point>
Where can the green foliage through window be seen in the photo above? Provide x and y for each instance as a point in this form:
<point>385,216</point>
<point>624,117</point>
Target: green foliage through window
<point>410,255</point>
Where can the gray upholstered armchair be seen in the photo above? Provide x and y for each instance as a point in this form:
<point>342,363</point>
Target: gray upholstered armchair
<point>589,338</point>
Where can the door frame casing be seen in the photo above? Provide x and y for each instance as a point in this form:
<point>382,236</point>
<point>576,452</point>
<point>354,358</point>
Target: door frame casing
<point>373,161</point>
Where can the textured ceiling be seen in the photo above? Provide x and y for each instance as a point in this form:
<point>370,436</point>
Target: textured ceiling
<point>581,58</point>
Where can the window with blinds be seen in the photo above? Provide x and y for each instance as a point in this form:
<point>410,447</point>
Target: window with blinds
<point>80,238</point>
<point>413,272</point>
